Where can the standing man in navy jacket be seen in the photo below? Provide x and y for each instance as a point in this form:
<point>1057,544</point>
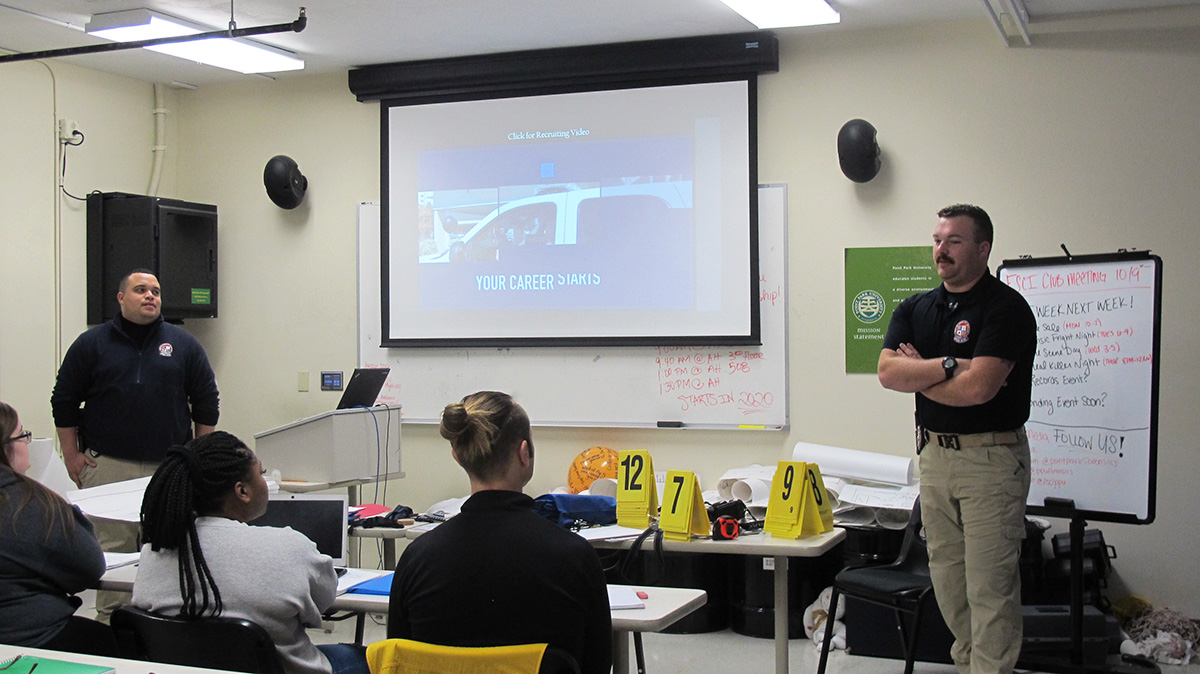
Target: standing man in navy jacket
<point>126,391</point>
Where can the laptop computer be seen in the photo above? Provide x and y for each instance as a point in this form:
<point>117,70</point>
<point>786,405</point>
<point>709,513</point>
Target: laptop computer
<point>320,517</point>
<point>323,519</point>
<point>363,388</point>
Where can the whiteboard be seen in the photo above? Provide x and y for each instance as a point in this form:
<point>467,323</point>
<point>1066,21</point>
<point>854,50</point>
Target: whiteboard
<point>1093,429</point>
<point>645,386</point>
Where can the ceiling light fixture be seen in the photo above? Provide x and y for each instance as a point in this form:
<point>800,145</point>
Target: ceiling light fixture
<point>210,37</point>
<point>785,13</point>
<point>242,56</point>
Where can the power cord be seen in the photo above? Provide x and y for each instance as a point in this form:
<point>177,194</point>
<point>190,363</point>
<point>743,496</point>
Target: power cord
<point>69,142</point>
<point>628,570</point>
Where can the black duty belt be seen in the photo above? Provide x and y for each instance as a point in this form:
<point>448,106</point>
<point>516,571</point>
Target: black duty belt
<point>957,441</point>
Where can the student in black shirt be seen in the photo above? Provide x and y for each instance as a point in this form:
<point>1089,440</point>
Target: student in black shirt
<point>497,573</point>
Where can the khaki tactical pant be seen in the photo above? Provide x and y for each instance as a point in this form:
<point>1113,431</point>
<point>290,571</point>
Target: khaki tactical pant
<point>973,508</point>
<point>114,535</point>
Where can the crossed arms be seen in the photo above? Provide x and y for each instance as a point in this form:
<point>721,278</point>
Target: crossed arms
<point>975,381</point>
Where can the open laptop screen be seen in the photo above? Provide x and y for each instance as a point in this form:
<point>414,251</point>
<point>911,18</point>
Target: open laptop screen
<point>320,517</point>
<point>363,387</point>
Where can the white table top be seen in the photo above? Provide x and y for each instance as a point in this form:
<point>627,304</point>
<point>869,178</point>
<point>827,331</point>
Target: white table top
<point>378,532</point>
<point>664,605</point>
<point>122,665</point>
<point>757,543</point>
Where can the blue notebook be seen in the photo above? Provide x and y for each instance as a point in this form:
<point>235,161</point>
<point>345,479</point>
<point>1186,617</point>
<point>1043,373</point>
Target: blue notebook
<point>381,585</point>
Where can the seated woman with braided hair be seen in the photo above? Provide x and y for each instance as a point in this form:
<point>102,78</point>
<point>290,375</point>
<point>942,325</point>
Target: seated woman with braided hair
<point>200,558</point>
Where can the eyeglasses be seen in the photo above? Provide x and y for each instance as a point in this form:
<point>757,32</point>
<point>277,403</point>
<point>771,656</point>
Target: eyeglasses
<point>24,437</point>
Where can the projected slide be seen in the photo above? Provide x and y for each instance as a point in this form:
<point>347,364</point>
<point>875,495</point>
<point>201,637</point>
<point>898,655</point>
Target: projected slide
<point>613,214</point>
<point>612,243</point>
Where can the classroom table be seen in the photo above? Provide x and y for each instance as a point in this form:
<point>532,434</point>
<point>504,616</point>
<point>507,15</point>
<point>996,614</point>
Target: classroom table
<point>757,544</point>
<point>386,534</point>
<point>354,490</point>
<point>663,607</point>
<point>122,665</point>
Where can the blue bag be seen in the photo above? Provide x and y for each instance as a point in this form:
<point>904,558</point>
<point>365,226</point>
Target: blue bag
<point>567,509</point>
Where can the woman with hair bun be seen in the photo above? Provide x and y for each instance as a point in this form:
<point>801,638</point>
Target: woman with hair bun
<point>48,552</point>
<point>200,558</point>
<point>497,573</point>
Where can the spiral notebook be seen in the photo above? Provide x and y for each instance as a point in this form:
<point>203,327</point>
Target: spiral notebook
<point>24,664</point>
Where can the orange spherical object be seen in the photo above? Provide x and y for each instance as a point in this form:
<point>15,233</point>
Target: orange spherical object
<point>591,464</point>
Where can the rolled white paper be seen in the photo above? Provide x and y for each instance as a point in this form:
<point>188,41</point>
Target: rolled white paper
<point>855,464</point>
<point>857,515</point>
<point>751,490</point>
<point>734,475</point>
<point>891,518</point>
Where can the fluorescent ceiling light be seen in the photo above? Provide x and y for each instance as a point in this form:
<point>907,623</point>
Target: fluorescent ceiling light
<point>238,54</point>
<point>785,13</point>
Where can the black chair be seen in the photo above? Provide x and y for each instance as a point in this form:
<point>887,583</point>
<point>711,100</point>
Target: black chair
<point>903,586</point>
<point>225,643</point>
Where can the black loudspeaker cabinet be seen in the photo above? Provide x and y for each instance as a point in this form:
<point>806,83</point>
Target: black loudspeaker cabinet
<point>177,240</point>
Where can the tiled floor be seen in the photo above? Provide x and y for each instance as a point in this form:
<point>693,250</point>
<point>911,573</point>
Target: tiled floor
<point>727,651</point>
<point>717,652</point>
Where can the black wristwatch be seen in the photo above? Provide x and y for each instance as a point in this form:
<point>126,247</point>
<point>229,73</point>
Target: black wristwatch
<point>948,364</point>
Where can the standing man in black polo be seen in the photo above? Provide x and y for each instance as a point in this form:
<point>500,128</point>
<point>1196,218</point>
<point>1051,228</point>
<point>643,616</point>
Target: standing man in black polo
<point>126,391</point>
<point>966,350</point>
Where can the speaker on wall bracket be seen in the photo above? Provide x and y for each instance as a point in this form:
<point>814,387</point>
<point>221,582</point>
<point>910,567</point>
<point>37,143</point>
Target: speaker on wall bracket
<point>858,150</point>
<point>284,182</point>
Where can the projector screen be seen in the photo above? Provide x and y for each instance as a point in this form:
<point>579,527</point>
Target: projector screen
<point>615,217</point>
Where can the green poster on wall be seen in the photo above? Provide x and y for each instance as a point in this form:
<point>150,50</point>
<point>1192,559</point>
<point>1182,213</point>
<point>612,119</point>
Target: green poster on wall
<point>878,279</point>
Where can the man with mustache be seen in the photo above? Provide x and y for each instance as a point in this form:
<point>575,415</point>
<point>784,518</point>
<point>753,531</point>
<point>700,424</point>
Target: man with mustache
<point>966,350</point>
<point>127,390</point>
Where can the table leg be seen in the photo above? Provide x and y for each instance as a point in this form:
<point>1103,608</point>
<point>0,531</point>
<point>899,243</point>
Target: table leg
<point>781,615</point>
<point>389,554</point>
<point>620,652</point>
<point>353,557</point>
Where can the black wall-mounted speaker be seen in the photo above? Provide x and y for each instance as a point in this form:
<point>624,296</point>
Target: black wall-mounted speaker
<point>858,150</point>
<point>284,182</point>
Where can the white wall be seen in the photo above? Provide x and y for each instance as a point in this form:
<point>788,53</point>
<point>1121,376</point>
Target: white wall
<point>1089,144</point>
<point>42,282</point>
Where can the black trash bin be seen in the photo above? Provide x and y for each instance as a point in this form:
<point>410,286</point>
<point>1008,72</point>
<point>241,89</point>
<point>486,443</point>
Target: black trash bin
<point>710,573</point>
<point>753,593</point>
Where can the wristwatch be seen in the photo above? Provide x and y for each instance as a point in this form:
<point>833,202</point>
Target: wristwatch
<point>948,364</point>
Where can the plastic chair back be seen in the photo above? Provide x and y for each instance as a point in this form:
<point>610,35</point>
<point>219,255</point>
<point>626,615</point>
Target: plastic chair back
<point>232,644</point>
<point>914,555</point>
<point>405,656</point>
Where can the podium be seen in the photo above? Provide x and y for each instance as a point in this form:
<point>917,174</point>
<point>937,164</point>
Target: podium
<point>336,448</point>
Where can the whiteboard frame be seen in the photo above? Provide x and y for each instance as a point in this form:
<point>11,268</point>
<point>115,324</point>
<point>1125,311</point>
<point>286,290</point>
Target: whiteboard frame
<point>1151,484</point>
